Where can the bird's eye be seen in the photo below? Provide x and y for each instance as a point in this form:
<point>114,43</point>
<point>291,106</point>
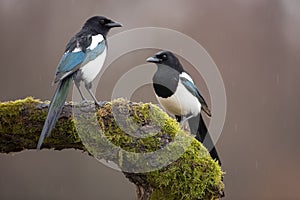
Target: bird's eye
<point>102,21</point>
<point>164,56</point>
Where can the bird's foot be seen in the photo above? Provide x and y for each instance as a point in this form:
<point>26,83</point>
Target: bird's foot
<point>100,104</point>
<point>86,106</point>
<point>181,124</point>
<point>184,124</point>
<point>85,103</point>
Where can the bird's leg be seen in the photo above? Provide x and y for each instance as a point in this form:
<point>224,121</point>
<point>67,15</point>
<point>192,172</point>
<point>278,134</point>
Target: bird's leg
<point>84,102</point>
<point>88,88</point>
<point>77,84</point>
<point>185,126</point>
<point>181,120</point>
<point>184,120</point>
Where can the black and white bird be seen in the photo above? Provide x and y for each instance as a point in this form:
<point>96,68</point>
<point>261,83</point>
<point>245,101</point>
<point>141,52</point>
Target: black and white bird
<point>82,61</point>
<point>178,95</point>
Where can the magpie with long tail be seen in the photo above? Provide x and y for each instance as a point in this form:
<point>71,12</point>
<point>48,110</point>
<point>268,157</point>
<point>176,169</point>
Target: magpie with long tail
<point>83,59</point>
<point>178,95</point>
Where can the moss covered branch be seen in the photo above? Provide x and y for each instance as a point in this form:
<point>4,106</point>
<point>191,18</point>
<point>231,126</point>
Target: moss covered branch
<point>126,133</point>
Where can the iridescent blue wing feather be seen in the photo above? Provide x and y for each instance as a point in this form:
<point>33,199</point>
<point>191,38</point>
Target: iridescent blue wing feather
<point>68,64</point>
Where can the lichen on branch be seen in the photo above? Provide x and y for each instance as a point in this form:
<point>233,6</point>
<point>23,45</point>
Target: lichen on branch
<point>123,132</point>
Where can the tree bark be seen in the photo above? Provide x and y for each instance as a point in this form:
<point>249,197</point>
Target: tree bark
<point>193,175</point>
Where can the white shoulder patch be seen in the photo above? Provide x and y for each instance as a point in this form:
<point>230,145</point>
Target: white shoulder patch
<point>77,49</point>
<point>185,75</point>
<point>96,39</point>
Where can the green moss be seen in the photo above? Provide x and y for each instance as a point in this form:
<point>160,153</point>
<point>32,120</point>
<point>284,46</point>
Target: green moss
<point>131,127</point>
<point>194,175</point>
<point>22,121</point>
<point>135,130</point>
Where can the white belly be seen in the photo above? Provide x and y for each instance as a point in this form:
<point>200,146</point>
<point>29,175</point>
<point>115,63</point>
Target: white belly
<point>92,68</point>
<point>182,103</point>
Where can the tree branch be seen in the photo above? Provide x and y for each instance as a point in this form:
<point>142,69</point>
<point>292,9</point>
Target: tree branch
<point>127,134</point>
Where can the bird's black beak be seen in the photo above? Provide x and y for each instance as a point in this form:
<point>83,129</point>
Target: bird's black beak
<point>113,24</point>
<point>153,60</point>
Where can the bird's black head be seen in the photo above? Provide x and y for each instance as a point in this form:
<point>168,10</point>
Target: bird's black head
<point>166,58</point>
<point>100,24</point>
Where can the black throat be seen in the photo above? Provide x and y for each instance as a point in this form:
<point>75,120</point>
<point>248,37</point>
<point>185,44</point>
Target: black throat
<point>165,81</point>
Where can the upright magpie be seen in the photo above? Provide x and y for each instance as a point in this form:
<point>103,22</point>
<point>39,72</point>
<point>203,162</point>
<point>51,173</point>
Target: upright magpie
<point>82,61</point>
<point>177,94</point>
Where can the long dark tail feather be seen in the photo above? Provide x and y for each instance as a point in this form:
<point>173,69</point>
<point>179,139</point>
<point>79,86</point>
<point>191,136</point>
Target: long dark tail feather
<point>198,128</point>
<point>55,108</point>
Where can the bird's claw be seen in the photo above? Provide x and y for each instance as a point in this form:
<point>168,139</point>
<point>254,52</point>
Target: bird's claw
<point>86,106</point>
<point>184,126</point>
<point>100,104</point>
<point>85,103</point>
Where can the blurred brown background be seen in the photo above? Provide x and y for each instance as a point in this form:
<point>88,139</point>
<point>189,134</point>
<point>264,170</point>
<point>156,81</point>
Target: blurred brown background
<point>255,44</point>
